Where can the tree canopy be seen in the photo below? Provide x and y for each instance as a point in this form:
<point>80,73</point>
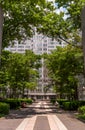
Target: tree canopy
<point>20,18</point>
<point>65,25</point>
<point>23,16</point>
<point>64,64</point>
<point>19,72</point>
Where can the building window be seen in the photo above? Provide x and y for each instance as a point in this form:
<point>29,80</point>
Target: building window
<point>45,49</point>
<point>44,44</point>
<point>21,49</point>
<point>45,40</point>
<point>40,49</point>
<point>27,46</point>
<point>50,46</point>
<point>20,46</point>
<point>13,49</point>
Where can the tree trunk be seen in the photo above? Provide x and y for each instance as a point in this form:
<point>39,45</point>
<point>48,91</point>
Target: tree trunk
<point>23,92</point>
<point>83,34</point>
<point>1,30</point>
<point>76,92</point>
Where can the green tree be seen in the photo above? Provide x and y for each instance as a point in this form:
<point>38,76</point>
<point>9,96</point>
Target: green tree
<point>63,65</point>
<point>19,72</point>
<point>4,76</point>
<point>20,18</point>
<point>65,25</point>
<point>30,71</point>
<point>76,19</point>
<point>15,70</point>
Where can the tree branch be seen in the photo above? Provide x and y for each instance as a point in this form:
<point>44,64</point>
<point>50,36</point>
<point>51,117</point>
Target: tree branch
<point>64,40</point>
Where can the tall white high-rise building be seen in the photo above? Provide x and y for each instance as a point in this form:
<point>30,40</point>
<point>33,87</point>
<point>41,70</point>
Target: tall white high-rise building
<point>39,44</point>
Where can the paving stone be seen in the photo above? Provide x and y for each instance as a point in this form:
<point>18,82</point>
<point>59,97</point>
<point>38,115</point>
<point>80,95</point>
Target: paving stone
<point>41,123</point>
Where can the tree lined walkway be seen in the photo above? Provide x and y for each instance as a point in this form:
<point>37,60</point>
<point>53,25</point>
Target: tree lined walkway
<point>41,116</point>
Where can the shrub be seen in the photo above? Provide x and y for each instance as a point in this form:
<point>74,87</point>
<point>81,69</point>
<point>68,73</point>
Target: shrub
<point>61,101</point>
<point>16,103</point>
<point>81,110</point>
<point>71,105</point>
<point>4,108</point>
<point>81,117</point>
<point>29,101</point>
<point>53,100</point>
<point>66,105</point>
<point>74,105</point>
<point>81,103</point>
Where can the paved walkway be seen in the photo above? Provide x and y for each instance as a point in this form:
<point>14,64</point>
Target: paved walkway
<point>41,116</point>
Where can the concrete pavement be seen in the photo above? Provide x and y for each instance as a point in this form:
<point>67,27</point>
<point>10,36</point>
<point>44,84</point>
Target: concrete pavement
<point>41,116</point>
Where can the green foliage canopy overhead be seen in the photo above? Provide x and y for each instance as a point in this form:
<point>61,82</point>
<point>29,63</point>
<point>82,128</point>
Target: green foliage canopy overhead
<point>20,18</point>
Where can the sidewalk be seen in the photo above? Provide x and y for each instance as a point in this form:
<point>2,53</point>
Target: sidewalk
<point>70,121</point>
<point>9,124</point>
<point>41,116</point>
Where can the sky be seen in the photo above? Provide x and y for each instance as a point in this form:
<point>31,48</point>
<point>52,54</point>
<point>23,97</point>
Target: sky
<point>51,0</point>
<point>59,10</point>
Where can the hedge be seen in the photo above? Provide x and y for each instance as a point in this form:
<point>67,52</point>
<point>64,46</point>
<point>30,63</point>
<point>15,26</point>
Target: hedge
<point>73,105</point>
<point>16,103</point>
<point>81,110</point>
<point>70,105</point>
<point>4,108</point>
